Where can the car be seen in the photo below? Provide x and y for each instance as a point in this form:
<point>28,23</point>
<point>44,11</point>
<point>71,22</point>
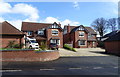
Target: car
<point>53,46</point>
<point>31,43</point>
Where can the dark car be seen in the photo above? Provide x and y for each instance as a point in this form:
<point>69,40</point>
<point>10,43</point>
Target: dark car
<point>54,46</point>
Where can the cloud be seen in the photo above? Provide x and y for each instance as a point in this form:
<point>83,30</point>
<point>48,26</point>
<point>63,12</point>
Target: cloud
<point>16,23</point>
<point>1,19</point>
<point>76,5</point>
<point>5,8</point>
<point>24,9</point>
<point>64,22</point>
<point>50,20</point>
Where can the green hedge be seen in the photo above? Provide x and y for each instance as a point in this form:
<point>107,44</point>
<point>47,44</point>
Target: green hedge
<point>69,48</point>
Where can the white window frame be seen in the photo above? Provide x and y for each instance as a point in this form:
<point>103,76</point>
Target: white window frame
<point>40,32</point>
<point>83,34</point>
<point>79,42</point>
<point>29,33</point>
<point>55,34</point>
<point>55,41</point>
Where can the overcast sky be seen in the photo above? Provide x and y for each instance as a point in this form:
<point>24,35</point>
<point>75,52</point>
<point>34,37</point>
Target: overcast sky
<point>73,13</point>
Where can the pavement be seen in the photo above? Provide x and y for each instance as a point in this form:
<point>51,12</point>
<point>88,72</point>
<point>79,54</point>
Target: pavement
<point>92,61</point>
<point>83,52</point>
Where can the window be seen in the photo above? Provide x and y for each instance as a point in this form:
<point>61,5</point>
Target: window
<point>54,26</point>
<point>57,41</point>
<point>81,28</point>
<point>40,32</point>
<point>89,35</point>
<point>81,34</point>
<point>29,33</point>
<point>81,42</point>
<point>54,32</point>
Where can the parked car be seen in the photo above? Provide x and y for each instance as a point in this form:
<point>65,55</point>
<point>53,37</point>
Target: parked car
<point>54,46</point>
<point>31,43</point>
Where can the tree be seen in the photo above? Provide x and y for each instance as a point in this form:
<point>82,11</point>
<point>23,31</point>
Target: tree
<point>112,24</point>
<point>100,25</point>
<point>118,20</point>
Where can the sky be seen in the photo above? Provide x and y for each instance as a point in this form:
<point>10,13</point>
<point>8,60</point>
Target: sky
<point>73,13</point>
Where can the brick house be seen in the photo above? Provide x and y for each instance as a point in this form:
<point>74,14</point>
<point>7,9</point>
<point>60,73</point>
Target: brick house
<point>9,33</point>
<point>112,42</point>
<point>44,33</point>
<point>79,36</point>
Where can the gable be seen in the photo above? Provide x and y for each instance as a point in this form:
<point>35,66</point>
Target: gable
<point>79,28</point>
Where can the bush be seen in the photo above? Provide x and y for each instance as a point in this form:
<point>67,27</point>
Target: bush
<point>68,47</point>
<point>18,45</point>
<point>12,44</point>
<point>101,44</point>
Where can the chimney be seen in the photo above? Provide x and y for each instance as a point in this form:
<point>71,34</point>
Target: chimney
<point>59,24</point>
<point>68,28</point>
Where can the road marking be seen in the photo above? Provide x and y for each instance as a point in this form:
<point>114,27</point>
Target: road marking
<point>97,67</point>
<point>115,67</point>
<point>75,68</point>
<point>9,70</point>
<point>46,69</point>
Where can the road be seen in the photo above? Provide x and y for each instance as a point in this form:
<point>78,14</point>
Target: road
<point>74,65</point>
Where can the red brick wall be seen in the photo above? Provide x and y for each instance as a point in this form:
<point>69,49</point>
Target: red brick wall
<point>77,38</point>
<point>49,36</point>
<point>5,40</point>
<point>113,47</point>
<point>28,55</point>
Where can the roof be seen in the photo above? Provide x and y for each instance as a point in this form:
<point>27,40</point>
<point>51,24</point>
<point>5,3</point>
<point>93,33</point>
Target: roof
<point>114,36</point>
<point>31,26</point>
<point>7,28</point>
<point>110,34</point>
<point>89,29</point>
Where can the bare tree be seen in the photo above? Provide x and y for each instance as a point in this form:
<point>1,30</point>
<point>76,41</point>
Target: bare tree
<point>118,20</point>
<point>112,24</point>
<point>100,25</point>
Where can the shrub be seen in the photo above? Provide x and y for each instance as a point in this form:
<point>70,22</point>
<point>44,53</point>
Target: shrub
<point>68,47</point>
<point>101,44</point>
<point>18,45</point>
<point>11,44</point>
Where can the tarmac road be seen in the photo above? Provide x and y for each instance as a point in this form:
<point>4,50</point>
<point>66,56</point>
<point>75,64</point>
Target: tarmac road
<point>84,65</point>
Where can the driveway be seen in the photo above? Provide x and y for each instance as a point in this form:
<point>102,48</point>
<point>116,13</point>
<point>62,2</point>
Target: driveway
<point>83,52</point>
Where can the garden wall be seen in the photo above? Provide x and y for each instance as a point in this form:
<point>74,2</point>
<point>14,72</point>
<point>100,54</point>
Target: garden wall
<point>28,55</point>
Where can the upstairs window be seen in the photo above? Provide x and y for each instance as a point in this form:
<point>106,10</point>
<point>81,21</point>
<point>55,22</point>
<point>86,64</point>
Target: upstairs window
<point>29,33</point>
<point>81,28</point>
<point>54,32</point>
<point>81,34</point>
<point>40,32</point>
<point>54,26</point>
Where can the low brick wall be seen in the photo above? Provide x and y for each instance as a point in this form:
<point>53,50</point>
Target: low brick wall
<point>28,55</point>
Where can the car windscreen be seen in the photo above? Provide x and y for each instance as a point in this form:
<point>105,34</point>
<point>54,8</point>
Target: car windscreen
<point>53,44</point>
<point>33,41</point>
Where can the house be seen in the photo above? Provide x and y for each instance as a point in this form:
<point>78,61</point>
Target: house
<point>9,33</point>
<point>44,33</point>
<point>112,42</point>
<point>79,36</point>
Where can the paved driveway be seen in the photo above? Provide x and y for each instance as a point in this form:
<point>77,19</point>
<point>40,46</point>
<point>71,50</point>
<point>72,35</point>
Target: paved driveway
<point>83,52</point>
